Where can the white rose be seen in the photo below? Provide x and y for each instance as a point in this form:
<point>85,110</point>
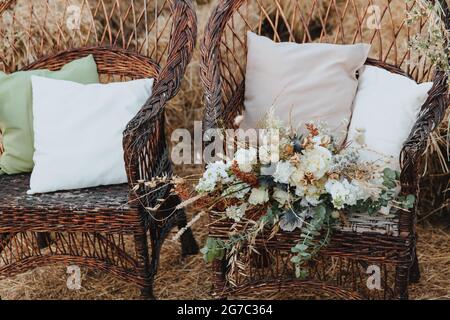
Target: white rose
<point>281,196</point>
<point>297,178</point>
<point>264,154</point>
<point>283,172</point>
<point>316,161</point>
<point>312,194</point>
<point>258,196</point>
<point>246,158</point>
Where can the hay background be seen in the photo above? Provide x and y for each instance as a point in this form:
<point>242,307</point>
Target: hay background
<point>189,278</point>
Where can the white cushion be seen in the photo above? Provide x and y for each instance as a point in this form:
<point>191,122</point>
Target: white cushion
<point>384,112</point>
<point>78,132</point>
<point>304,82</point>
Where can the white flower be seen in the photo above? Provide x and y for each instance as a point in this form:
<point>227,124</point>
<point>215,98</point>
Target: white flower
<point>281,196</point>
<point>360,136</point>
<point>300,190</point>
<point>236,212</point>
<point>205,185</point>
<point>313,200</point>
<point>312,194</point>
<point>316,161</point>
<point>246,158</point>
<point>238,120</point>
<point>264,154</point>
<point>269,146</point>
<point>363,191</point>
<point>338,193</point>
<point>343,193</point>
<point>258,196</point>
<point>297,178</point>
<point>215,172</point>
<point>221,169</point>
<point>283,172</point>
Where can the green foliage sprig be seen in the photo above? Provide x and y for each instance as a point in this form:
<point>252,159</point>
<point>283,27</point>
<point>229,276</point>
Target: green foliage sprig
<point>434,44</point>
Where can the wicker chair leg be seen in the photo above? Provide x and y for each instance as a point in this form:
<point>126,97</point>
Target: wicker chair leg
<point>414,271</point>
<point>144,266</point>
<point>219,282</point>
<point>189,246</point>
<point>157,239</point>
<point>401,281</point>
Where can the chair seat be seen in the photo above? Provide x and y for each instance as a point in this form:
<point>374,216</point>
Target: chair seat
<point>101,207</point>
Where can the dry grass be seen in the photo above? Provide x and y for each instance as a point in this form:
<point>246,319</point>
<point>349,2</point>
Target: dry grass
<point>190,279</point>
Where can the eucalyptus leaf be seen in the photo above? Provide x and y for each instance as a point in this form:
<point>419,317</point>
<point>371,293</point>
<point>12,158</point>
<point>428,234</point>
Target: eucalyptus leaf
<point>214,249</point>
<point>290,221</point>
<point>390,174</point>
<point>409,202</point>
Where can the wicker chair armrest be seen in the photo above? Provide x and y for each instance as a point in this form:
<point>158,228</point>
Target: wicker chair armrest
<point>144,138</point>
<point>431,115</point>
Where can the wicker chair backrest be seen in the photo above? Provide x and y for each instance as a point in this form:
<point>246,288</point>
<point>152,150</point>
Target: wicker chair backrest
<point>129,38</point>
<point>382,23</point>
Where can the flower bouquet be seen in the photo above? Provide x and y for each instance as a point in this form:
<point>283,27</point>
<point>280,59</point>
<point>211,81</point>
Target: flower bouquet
<point>303,183</point>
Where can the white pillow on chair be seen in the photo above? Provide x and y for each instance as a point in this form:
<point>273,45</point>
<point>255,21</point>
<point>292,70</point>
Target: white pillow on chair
<point>384,112</point>
<point>78,132</point>
<point>305,82</point>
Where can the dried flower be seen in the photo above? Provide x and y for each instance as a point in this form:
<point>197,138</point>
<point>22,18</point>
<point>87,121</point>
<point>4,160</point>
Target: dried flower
<point>258,196</point>
<point>238,120</point>
<point>249,178</point>
<point>236,213</point>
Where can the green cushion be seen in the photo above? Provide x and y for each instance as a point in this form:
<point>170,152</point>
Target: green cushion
<point>16,110</point>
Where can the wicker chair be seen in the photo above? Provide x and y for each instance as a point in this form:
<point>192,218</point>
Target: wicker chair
<point>386,242</point>
<point>104,228</point>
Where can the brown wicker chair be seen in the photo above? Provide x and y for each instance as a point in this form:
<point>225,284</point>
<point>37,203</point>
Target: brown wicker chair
<point>129,39</point>
<point>389,243</point>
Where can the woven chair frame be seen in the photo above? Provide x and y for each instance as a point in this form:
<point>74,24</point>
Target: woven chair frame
<point>224,51</point>
<point>96,227</point>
